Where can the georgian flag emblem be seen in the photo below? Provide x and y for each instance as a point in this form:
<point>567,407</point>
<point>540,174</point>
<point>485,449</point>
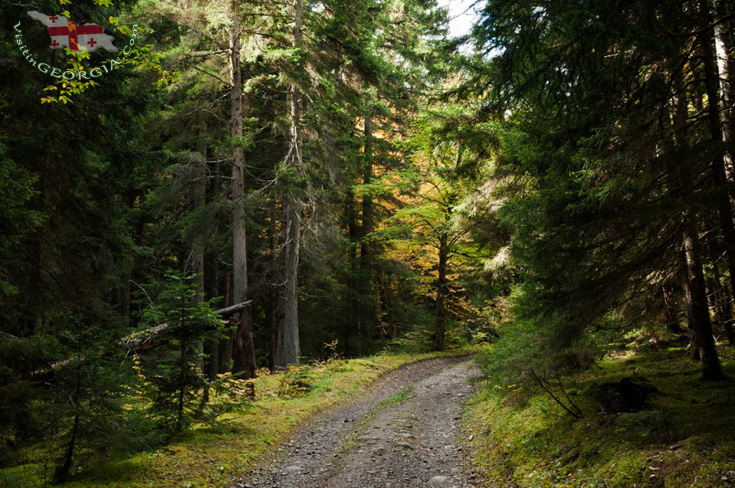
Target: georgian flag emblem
<point>67,33</point>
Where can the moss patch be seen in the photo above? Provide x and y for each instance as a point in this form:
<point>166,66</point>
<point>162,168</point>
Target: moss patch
<point>682,437</point>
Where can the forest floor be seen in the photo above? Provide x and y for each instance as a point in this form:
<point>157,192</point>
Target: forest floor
<point>403,432</point>
<point>647,419</point>
<point>380,419</point>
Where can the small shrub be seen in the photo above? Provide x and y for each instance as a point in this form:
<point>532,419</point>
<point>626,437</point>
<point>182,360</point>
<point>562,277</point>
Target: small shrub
<point>296,381</point>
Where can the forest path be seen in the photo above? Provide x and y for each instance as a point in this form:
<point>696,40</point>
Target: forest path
<point>403,432</point>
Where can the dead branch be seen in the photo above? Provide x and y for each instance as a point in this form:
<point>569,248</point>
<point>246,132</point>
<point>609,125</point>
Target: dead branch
<point>543,384</point>
<point>139,341</point>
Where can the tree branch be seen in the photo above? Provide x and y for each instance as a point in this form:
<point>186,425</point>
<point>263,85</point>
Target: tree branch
<point>143,340</point>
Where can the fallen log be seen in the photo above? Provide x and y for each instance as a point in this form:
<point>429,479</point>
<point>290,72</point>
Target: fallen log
<point>226,312</point>
<point>147,339</point>
<point>140,341</point>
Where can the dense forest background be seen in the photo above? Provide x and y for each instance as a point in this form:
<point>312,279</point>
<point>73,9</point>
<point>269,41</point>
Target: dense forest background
<point>263,183</point>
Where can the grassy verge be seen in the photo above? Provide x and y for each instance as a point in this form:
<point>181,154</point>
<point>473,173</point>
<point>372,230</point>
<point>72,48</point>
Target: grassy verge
<point>681,437</point>
<point>207,456</point>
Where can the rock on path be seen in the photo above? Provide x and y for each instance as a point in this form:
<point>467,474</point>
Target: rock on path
<point>383,440</point>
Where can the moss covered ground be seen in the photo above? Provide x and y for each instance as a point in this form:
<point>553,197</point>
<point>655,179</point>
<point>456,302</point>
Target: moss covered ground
<point>681,436</point>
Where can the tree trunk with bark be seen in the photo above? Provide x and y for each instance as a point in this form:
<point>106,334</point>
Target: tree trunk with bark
<point>225,346</point>
<point>63,470</point>
<point>690,264</point>
<point>442,288</point>
<point>272,301</point>
<point>353,292</point>
<point>243,338</point>
<point>364,317</point>
<point>725,44</point>
<point>243,350</point>
<point>715,94</point>
<point>197,250</point>
<point>671,310</point>
<point>700,324</point>
<point>288,349</point>
<point>211,285</point>
<point>367,203</point>
<point>723,305</point>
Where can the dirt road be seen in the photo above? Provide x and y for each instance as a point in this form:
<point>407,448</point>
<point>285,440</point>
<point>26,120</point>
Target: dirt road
<point>403,432</point>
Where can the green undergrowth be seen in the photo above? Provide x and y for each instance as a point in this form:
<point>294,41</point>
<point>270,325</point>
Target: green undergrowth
<point>207,456</point>
<point>681,436</point>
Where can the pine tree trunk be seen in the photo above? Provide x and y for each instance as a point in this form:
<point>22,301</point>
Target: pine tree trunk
<point>725,43</point>
<point>364,316</point>
<point>61,473</point>
<point>273,325</point>
<point>441,294</point>
<point>719,139</point>
<point>211,279</point>
<point>272,302</point>
<point>690,263</point>
<point>694,351</point>
<point>384,307</point>
<point>700,325</point>
<point>243,338</point>
<point>243,353</point>
<point>225,347</point>
<point>288,349</point>
<point>288,332</point>
<point>724,305</point>
<point>353,292</point>
<point>183,365</point>
<point>211,348</point>
<point>671,311</point>
<point>367,201</point>
<point>200,200</point>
